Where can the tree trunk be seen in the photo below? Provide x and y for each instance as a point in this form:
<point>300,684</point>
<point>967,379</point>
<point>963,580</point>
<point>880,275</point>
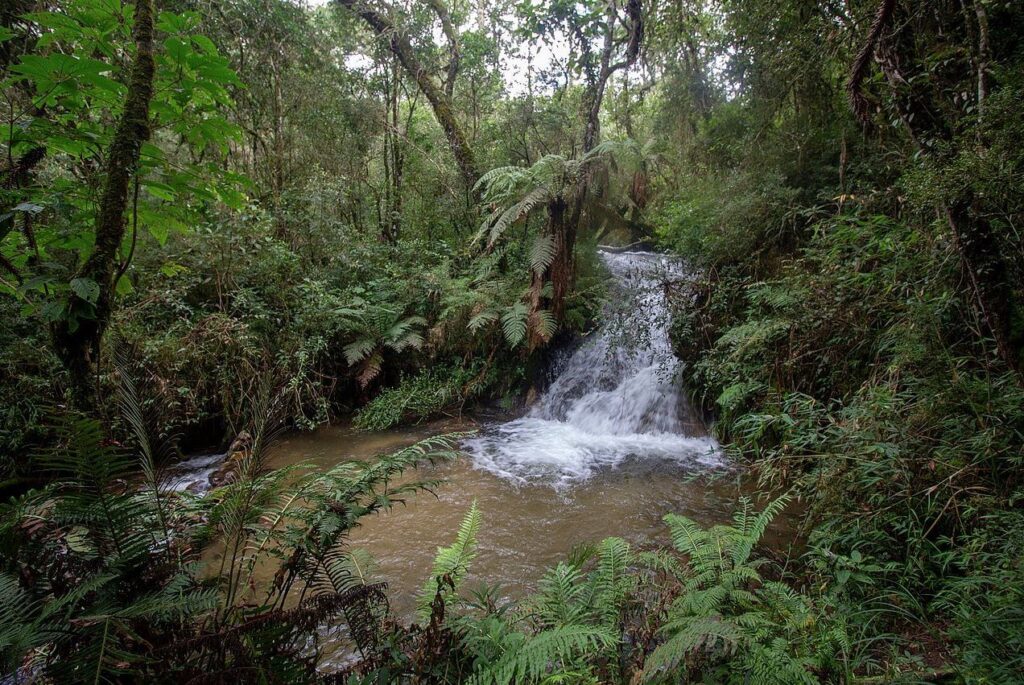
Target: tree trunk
<point>559,273</point>
<point>563,268</point>
<point>77,337</point>
<point>983,266</point>
<point>439,100</point>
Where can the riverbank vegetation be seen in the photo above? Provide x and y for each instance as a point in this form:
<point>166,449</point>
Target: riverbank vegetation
<point>234,218</point>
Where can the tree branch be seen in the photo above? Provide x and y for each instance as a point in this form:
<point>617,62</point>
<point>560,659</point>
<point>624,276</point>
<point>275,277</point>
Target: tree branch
<point>436,96</point>
<point>862,63</point>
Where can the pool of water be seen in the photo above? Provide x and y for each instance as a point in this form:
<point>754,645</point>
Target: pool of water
<point>526,527</point>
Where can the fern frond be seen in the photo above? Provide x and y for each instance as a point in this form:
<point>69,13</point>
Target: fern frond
<point>500,223</point>
<point>542,253</point>
<point>452,563</point>
<point>544,324</point>
<point>359,350</point>
<point>351,569</point>
<point>481,320</point>
<point>710,634</point>
<point>559,599</point>
<point>514,323</point>
<point>542,654</point>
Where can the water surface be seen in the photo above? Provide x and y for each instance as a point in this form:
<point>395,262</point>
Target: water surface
<point>526,527</point>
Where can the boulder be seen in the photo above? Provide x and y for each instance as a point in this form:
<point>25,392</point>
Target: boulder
<point>228,470</point>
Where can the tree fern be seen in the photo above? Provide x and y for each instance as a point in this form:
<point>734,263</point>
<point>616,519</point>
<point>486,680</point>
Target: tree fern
<point>376,329</point>
<point>544,324</point>
<point>483,319</point>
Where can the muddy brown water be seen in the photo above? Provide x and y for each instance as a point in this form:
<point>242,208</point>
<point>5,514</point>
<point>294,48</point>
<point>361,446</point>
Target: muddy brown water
<point>525,528</point>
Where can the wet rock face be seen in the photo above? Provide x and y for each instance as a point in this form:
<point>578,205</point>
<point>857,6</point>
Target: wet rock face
<point>228,471</point>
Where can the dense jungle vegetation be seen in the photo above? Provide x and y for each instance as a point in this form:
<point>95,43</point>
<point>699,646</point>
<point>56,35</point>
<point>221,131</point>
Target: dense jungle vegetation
<point>220,216</point>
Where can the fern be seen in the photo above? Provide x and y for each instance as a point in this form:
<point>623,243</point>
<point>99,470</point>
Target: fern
<point>560,599</point>
<point>376,329</point>
<point>351,569</point>
<point>543,654</point>
<point>452,563</point>
<point>544,323</point>
<point>514,323</point>
<point>729,624</point>
<point>483,319</point>
<point>542,253</point>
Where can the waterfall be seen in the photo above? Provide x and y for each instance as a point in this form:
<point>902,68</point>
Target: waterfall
<point>616,397</point>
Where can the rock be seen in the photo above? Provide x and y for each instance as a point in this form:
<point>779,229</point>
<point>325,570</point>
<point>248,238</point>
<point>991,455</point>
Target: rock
<point>227,472</point>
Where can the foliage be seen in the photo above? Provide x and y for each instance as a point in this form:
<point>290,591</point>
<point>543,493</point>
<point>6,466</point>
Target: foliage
<point>612,614</point>
<point>452,563</point>
<point>102,579</point>
<point>303,218</point>
<point>63,99</point>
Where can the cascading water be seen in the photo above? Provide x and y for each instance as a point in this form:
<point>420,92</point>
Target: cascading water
<point>616,397</point>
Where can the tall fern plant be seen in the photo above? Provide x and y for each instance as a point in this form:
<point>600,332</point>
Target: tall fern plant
<point>730,624</point>
<point>701,612</point>
<point>89,567</point>
<point>375,330</point>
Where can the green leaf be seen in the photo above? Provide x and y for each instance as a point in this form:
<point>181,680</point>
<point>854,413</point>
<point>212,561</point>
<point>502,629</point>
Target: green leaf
<point>124,286</point>
<point>86,288</point>
<point>205,44</point>
<point>160,190</point>
<point>171,269</point>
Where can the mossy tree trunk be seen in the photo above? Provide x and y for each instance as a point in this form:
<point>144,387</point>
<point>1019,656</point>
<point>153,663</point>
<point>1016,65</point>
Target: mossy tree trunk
<point>437,95</point>
<point>77,338</point>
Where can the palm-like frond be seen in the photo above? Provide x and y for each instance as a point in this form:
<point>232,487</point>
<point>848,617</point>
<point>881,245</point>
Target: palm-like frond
<point>500,220</point>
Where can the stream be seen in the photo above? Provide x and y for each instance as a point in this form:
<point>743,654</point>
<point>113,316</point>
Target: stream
<point>609,448</point>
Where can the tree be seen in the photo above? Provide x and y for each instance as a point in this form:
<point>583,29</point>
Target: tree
<point>83,104</point>
<point>901,41</point>
<point>77,339</point>
<point>620,30</point>
<point>439,95</point>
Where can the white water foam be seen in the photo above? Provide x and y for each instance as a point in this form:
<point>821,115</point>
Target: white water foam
<point>193,473</point>
<point>616,397</point>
